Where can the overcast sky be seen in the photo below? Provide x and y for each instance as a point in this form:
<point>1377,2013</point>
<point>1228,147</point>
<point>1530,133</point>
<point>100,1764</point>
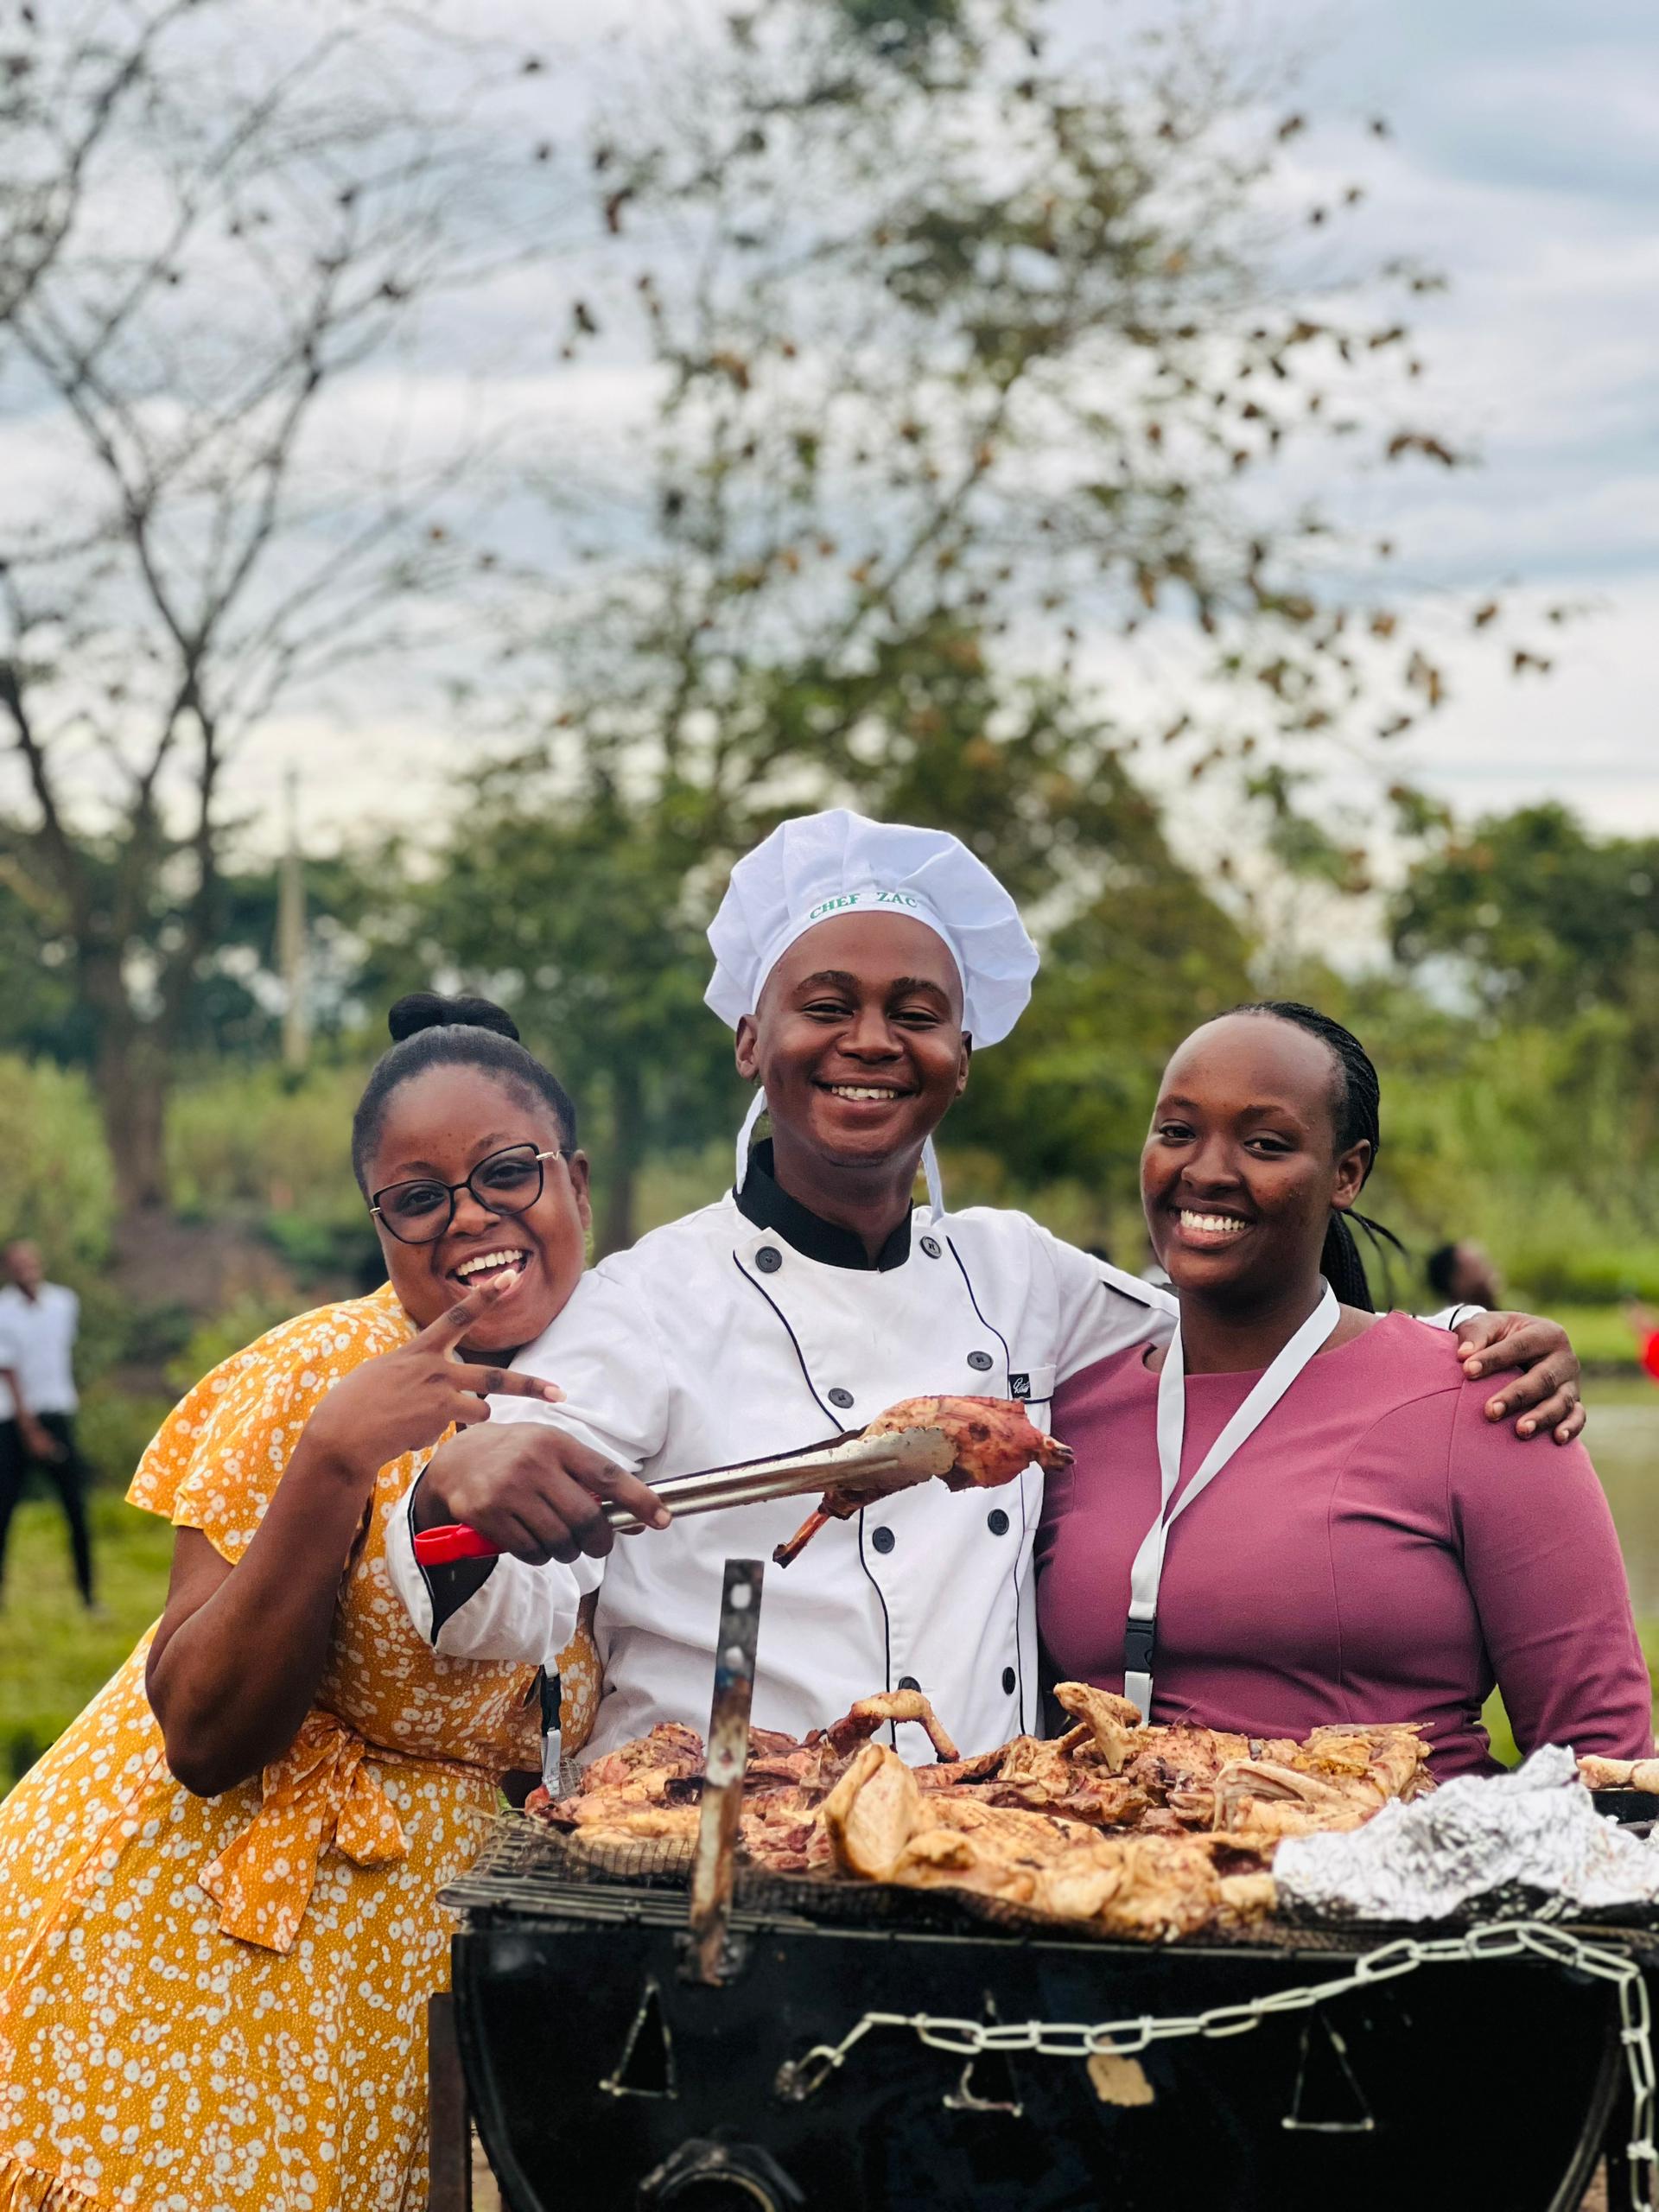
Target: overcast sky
<point>1524,161</point>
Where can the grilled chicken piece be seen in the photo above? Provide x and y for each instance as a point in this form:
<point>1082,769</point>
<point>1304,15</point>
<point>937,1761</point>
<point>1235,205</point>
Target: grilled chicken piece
<point>948,1774</point>
<point>1394,1759</point>
<point>1111,1719</point>
<point>671,1749</point>
<point>1620,1773</point>
<point>873,1713</point>
<point>992,1439</point>
<point>1256,1797</point>
<point>871,1813</point>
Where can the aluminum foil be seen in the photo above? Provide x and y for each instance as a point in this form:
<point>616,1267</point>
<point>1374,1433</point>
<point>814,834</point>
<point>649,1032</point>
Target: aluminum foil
<point>1509,1845</point>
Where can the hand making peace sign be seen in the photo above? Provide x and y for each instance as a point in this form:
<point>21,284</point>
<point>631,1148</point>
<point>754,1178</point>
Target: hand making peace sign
<point>408,1398</point>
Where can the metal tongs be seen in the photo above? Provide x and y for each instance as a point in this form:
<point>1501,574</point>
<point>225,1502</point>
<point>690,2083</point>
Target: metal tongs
<point>865,1466</point>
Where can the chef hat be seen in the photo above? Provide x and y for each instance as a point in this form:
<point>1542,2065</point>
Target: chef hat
<point>820,866</point>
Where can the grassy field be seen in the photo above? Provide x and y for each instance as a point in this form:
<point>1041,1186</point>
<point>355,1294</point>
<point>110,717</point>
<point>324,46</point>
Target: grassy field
<point>52,1655</point>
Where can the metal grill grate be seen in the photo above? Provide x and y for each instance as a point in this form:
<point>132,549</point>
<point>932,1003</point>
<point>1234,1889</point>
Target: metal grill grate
<point>530,1872</point>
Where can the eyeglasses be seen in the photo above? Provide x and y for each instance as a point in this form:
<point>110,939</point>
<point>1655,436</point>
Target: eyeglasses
<point>507,1182</point>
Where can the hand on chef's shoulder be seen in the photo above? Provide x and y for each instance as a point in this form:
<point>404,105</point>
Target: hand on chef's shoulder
<point>1542,1399</point>
<point>531,1490</point>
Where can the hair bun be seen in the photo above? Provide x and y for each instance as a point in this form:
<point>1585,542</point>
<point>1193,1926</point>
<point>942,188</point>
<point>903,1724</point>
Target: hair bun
<point>418,1010</point>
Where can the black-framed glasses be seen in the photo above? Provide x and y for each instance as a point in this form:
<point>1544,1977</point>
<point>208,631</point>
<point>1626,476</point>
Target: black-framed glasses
<point>419,1212</point>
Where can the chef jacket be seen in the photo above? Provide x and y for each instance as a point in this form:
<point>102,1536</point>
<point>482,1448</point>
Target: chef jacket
<point>754,1327</point>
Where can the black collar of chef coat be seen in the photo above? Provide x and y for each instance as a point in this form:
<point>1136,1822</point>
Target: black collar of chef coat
<point>763,1201</point>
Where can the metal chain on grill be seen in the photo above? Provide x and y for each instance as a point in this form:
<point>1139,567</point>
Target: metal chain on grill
<point>801,2078</point>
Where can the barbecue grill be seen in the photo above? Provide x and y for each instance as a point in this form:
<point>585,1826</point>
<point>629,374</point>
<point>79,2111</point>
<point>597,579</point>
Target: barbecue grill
<point>809,2044</point>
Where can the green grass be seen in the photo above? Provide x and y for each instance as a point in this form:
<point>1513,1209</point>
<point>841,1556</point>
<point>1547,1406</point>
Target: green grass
<point>53,1655</point>
<point>1601,1336</point>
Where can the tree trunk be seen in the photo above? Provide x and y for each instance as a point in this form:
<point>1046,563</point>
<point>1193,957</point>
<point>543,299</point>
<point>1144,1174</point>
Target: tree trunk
<point>130,1076</point>
<point>616,1201</point>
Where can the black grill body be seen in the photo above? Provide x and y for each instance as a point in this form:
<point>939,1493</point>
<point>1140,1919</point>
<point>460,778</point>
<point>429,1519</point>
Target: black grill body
<point>603,2081</point>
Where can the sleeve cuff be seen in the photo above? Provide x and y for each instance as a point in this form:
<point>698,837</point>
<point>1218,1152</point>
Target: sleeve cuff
<point>520,1613</point>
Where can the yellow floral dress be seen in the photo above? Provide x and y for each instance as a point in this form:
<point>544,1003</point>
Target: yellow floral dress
<point>217,2004</point>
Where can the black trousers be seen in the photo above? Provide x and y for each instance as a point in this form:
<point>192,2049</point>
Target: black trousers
<point>68,1475</point>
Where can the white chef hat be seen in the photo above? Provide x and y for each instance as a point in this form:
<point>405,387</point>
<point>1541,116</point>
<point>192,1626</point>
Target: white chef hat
<point>819,865</point>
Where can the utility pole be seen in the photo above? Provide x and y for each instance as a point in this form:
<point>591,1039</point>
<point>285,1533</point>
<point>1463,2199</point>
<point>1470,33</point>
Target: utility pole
<point>290,937</point>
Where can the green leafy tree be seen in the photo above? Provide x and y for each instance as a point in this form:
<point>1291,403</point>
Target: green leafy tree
<point>1543,923</point>
<point>1542,918</point>
<point>968,356</point>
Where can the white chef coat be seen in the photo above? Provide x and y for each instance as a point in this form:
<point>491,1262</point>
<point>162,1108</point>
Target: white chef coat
<point>714,1341</point>
<point>37,1343</point>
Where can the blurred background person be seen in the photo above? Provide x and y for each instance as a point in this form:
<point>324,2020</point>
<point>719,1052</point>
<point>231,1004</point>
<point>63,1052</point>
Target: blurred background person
<point>38,1323</point>
<point>1644,1327</point>
<point>1464,1274</point>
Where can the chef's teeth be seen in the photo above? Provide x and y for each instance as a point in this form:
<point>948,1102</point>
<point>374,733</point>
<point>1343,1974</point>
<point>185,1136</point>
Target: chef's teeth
<point>854,1090</point>
<point>489,1260</point>
<point>1211,1224</point>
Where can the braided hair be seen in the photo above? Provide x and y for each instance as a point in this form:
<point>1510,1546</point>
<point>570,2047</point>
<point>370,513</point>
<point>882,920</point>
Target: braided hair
<point>429,1031</point>
<point>1357,1117</point>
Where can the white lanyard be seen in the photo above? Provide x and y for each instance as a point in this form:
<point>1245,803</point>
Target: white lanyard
<point>1141,1631</point>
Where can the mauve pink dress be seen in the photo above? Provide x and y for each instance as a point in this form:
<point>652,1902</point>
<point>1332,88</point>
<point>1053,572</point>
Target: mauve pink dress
<point>1378,1550</point>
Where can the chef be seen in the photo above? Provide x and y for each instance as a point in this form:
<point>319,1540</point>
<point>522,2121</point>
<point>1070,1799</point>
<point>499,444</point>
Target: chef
<point>861,964</point>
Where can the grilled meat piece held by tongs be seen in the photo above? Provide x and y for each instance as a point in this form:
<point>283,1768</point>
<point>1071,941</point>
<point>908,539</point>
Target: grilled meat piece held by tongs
<point>992,1439</point>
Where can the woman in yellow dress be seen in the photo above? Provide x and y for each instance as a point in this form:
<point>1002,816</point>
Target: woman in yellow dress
<point>219,1925</point>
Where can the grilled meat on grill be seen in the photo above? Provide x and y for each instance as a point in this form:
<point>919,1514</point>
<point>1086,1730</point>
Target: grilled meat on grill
<point>1144,1831</point>
<point>993,1437</point>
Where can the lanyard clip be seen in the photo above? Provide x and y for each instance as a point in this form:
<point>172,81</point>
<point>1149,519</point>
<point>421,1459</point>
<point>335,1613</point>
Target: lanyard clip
<point>1139,1637</point>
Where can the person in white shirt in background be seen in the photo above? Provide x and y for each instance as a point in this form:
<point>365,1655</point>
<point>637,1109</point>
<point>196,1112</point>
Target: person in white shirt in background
<point>862,964</point>
<point>38,1323</point>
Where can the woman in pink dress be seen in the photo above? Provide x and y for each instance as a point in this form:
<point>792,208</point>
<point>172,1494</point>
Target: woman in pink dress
<point>1315,1517</point>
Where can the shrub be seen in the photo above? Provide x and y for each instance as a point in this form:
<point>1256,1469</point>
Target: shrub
<point>114,1428</point>
<point>56,1184</point>
<point>255,1142</point>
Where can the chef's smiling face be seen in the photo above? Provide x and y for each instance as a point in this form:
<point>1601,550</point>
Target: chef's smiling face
<point>437,1127</point>
<point>1240,1170</point>
<point>858,1039</point>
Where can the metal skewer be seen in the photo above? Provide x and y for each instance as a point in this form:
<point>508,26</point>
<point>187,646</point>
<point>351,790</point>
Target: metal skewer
<point>723,1770</point>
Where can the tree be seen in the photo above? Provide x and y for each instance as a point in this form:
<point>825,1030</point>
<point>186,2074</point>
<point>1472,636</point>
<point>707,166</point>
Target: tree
<point>965,351</point>
<point>1544,924</point>
<point>1542,918</point>
<point>206,227</point>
